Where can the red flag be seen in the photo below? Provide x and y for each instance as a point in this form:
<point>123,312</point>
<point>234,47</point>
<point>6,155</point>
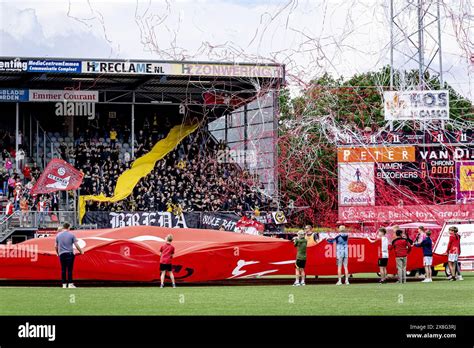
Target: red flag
<point>247,223</point>
<point>58,176</point>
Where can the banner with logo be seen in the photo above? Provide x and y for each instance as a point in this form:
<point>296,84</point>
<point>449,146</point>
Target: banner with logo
<point>356,184</point>
<point>13,95</point>
<point>465,181</point>
<point>127,67</point>
<point>408,213</point>
<point>416,105</point>
<point>231,70</point>
<point>44,95</point>
<point>13,65</point>
<point>54,66</point>
<point>202,220</point>
<point>58,176</point>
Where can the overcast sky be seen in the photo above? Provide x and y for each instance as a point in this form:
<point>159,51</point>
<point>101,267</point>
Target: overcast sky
<point>310,37</point>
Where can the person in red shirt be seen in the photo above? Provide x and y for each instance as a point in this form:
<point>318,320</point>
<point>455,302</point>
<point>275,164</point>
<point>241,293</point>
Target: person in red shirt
<point>27,172</point>
<point>453,251</point>
<point>166,257</point>
<point>402,247</point>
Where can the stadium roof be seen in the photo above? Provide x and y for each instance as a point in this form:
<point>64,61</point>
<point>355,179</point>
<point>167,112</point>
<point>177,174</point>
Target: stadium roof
<point>152,81</point>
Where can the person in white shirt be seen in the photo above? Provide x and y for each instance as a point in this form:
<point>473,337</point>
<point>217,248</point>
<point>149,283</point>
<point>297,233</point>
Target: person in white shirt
<point>383,259</point>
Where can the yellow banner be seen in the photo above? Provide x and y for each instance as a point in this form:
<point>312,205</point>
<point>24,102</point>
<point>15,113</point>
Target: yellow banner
<point>140,168</point>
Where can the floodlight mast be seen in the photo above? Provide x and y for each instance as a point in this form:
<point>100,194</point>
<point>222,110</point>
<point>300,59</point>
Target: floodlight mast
<point>415,43</point>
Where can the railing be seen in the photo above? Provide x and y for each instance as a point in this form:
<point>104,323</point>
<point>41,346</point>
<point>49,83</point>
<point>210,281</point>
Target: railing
<point>46,219</point>
<point>21,220</point>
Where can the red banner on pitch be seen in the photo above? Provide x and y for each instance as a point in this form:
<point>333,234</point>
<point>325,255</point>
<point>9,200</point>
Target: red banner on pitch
<point>58,176</point>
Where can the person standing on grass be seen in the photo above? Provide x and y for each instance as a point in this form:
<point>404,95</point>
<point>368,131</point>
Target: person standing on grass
<point>402,247</point>
<point>427,245</point>
<point>65,241</point>
<point>342,254</point>
<point>421,233</point>
<point>301,244</point>
<point>166,257</point>
<point>454,249</point>
<point>383,259</point>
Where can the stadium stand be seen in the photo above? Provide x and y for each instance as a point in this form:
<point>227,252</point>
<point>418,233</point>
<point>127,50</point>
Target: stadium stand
<point>187,179</point>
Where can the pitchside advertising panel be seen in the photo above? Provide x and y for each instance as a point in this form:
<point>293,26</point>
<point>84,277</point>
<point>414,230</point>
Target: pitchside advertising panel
<point>386,183</point>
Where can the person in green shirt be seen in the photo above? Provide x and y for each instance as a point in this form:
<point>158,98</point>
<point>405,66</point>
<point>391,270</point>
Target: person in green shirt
<point>300,243</point>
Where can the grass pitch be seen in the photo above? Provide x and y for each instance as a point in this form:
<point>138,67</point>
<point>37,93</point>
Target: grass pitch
<point>414,298</point>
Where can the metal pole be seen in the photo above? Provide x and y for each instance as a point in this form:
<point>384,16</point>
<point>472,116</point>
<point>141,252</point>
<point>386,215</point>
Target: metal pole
<point>17,125</point>
<point>76,221</point>
<point>31,136</point>
<point>133,125</point>
<point>391,44</point>
<point>441,80</point>
<point>44,149</point>
<point>37,142</point>
<point>421,63</point>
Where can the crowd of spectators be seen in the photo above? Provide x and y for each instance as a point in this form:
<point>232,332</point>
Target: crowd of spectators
<point>17,178</point>
<point>189,178</point>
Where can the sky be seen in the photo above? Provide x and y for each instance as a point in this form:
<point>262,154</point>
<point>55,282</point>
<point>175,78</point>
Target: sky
<point>342,37</point>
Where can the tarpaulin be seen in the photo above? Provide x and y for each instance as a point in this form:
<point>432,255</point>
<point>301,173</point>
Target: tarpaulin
<point>132,254</point>
<point>141,167</point>
<point>58,176</point>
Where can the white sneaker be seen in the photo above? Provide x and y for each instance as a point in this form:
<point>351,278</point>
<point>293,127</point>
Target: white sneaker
<point>71,286</point>
<point>174,285</point>
<point>303,284</point>
<point>162,286</point>
<point>347,282</point>
<point>64,286</point>
<point>339,282</point>
<point>426,280</point>
<point>296,284</point>
<point>459,277</point>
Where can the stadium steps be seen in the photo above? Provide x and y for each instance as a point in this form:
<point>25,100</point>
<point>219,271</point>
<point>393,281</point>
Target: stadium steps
<point>6,225</point>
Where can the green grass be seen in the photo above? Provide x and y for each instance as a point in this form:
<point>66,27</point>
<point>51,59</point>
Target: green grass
<point>414,298</point>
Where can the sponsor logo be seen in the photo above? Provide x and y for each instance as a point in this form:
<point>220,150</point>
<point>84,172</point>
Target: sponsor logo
<point>38,95</point>
<point>13,95</point>
<point>13,65</point>
<point>416,105</point>
<point>232,70</point>
<point>54,66</point>
<point>124,67</point>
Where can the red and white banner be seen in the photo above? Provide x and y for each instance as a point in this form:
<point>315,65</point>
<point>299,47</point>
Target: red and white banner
<point>408,213</point>
<point>249,226</point>
<point>58,176</point>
